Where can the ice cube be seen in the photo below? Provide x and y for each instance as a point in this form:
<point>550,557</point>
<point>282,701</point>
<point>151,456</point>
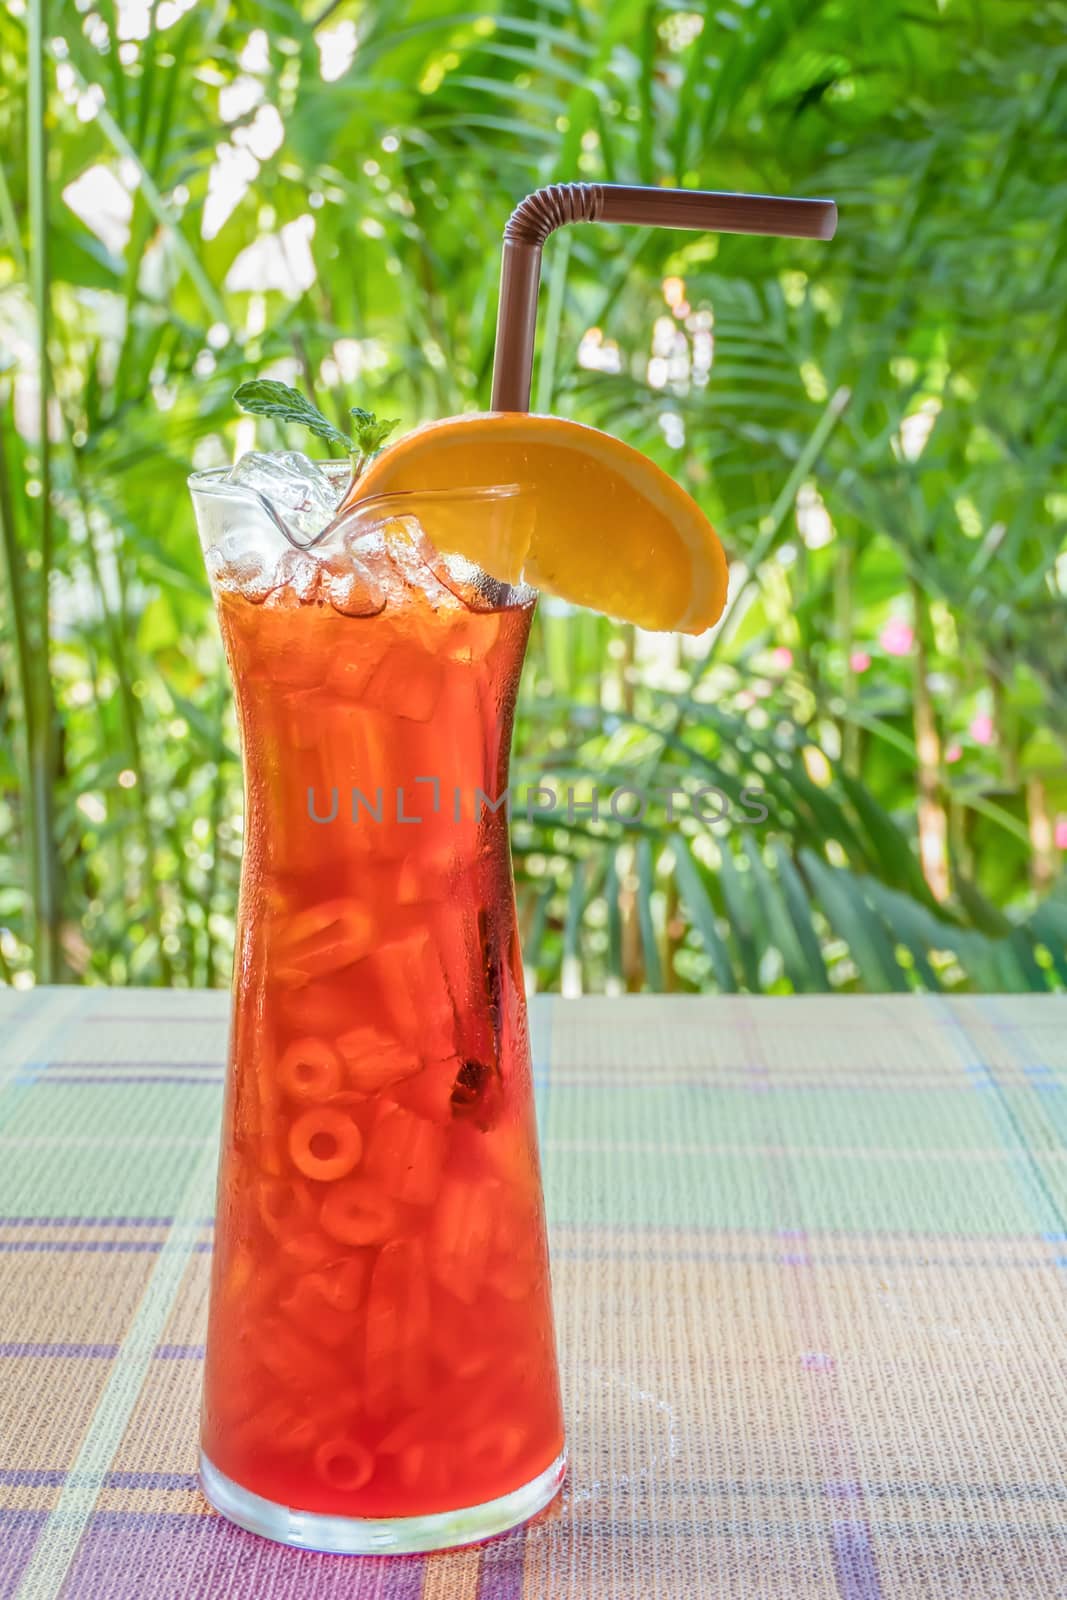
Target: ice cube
<point>461,1235</point>
<point>410,983</point>
<point>430,1421</point>
<point>302,496</point>
<point>406,1155</point>
<point>429,1092</point>
<point>509,1150</point>
<point>296,579</point>
<point>321,940</point>
<point>424,877</point>
<point>356,1212</point>
<point>238,1276</point>
<point>298,1364</point>
<point>373,1059</point>
<point>493,1448</point>
<point>463,1346</point>
<point>519,1260</point>
<point>515,1374</point>
<point>351,588</point>
<point>278,1425</point>
<point>467,944</point>
<point>471,636</point>
<point>308,1249</point>
<point>347,677</point>
<point>398,1329</point>
<point>343,1284</point>
<point>323,1006</point>
<point>475,590</point>
<point>398,553</point>
<point>306,1306</point>
<point>239,565</point>
<point>407,684</point>
<point>495,525</point>
<point>427,1467</point>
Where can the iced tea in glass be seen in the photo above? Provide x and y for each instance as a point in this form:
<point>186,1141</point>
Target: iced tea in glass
<point>381,1366</point>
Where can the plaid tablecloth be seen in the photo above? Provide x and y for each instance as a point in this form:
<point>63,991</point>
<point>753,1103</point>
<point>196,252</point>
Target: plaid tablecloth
<point>809,1264</point>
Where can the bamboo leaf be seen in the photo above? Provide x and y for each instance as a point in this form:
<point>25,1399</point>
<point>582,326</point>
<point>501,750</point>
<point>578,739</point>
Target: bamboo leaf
<point>572,931</point>
<point>796,901</point>
<point>649,944</point>
<point>702,915</point>
<point>611,895</point>
<point>739,916</point>
<point>863,931</point>
<point>727,360</point>
<point>896,862</point>
<point>910,926</point>
<point>1048,925</point>
<point>781,933</point>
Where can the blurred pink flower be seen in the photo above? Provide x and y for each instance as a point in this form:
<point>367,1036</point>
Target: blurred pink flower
<point>954,751</point>
<point>859,661</point>
<point>746,700</point>
<point>782,658</point>
<point>981,729</point>
<point>1060,833</point>
<point>897,637</point>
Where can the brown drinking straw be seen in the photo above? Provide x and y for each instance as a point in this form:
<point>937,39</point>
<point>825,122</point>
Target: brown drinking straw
<point>548,209</point>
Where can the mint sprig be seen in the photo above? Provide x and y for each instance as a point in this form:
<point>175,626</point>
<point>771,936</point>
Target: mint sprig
<point>370,433</point>
<point>267,397</point>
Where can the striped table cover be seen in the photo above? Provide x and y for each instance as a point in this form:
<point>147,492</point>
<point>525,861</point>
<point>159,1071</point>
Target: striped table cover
<point>809,1274</point>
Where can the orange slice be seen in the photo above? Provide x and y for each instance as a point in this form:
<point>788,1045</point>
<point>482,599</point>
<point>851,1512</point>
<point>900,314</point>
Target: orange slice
<point>608,530</point>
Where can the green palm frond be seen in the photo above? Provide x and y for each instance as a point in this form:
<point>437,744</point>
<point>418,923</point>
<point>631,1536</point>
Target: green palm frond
<point>874,427</point>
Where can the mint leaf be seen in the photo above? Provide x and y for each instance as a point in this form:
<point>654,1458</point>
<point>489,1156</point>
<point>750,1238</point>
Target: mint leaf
<point>266,397</point>
<point>370,433</point>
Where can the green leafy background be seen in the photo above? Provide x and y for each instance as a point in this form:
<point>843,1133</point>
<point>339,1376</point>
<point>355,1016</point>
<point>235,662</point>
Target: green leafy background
<point>875,426</point>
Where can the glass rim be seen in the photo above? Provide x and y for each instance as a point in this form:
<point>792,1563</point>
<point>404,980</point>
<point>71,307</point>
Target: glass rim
<point>217,481</point>
<point>214,483</point>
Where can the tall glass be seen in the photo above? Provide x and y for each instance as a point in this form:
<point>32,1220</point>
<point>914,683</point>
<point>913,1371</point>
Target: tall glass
<point>381,1369</point>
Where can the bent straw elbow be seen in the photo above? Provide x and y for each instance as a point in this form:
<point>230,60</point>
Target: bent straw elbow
<point>542,212</point>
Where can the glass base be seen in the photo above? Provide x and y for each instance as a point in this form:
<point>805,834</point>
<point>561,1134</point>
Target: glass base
<point>375,1536</point>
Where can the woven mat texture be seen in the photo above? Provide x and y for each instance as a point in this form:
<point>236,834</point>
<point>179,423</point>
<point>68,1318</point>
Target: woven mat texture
<point>809,1261</point>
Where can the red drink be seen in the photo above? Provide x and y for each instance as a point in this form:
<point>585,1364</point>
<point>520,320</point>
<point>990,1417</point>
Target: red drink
<point>381,1342</point>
